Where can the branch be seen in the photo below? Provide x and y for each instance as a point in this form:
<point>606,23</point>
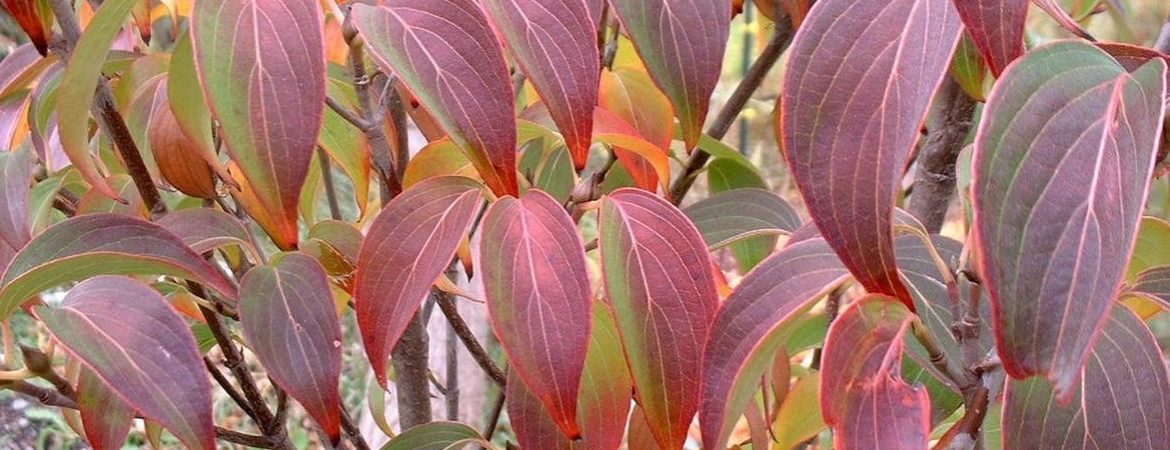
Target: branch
<point>372,114</point>
<point>934,181</point>
<point>781,37</point>
<point>447,305</point>
<point>350,116</point>
<point>327,180</point>
<point>352,431</point>
<point>107,113</point>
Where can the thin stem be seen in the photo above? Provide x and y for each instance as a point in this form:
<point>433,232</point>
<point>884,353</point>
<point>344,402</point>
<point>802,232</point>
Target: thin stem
<point>452,394</point>
<point>781,37</point>
<point>349,115</point>
<point>934,181</point>
<point>228,387</point>
<point>249,440</point>
<point>109,118</point>
<point>493,419</point>
<point>352,432</point>
<point>327,179</point>
<point>372,114</point>
<point>481,356</point>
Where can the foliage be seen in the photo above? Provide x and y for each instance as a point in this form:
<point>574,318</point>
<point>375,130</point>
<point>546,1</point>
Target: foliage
<point>213,199</point>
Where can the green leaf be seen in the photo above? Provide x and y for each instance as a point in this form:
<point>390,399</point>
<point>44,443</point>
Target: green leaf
<point>79,83</point>
<point>437,436</point>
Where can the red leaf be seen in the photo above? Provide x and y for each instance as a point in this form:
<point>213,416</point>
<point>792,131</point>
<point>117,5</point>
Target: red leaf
<point>641,169</point>
<point>602,406</point>
<point>555,43</point>
<point>659,283</point>
<point>632,96</point>
<point>1061,170</point>
<point>155,369</point>
<point>448,55</point>
<point>30,16</point>
<point>751,327</point>
<point>997,27</point>
<point>858,85</point>
<point>105,417</point>
<point>1122,401</point>
<point>262,67</point>
<point>862,394</point>
<point>290,321</point>
<point>539,297</point>
<point>682,45</point>
<point>409,244</point>
<point>95,244</point>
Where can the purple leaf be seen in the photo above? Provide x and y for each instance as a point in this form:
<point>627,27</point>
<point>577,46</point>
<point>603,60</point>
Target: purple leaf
<point>659,281</point>
<point>555,43</point>
<point>859,83</point>
<point>753,324</point>
<point>682,44</point>
<point>15,183</point>
<point>1121,402</point>
<point>408,246</point>
<point>997,27</point>
<point>1061,169</point>
<point>290,321</point>
<point>539,297</point>
<point>139,346</point>
<point>447,54</point>
<point>863,396</point>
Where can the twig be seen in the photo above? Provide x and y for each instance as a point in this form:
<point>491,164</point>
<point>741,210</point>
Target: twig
<point>934,181</point>
<point>481,356</point>
<point>1162,44</point>
<point>228,387</point>
<point>349,115</point>
<point>964,434</point>
<point>352,432</point>
<point>452,394</point>
<point>372,113</point>
<point>327,179</point>
<point>493,418</point>
<point>107,113</point>
<point>781,37</point>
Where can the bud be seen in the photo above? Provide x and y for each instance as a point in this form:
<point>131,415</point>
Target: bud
<point>176,154</point>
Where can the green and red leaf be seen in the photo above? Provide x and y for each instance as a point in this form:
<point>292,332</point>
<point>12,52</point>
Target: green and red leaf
<point>858,86</point>
<point>997,27</point>
<point>262,67</point>
<point>290,322</point>
<point>34,17</point>
<point>1061,170</point>
<point>96,244</point>
<point>630,95</point>
<point>155,369</point>
<point>447,54</point>
<point>682,45</point>
<point>1121,402</point>
<point>659,282</point>
<point>863,396</point>
<point>205,229</point>
<point>754,323</point>
<point>105,417</point>
<point>555,44</point>
<point>603,402</point>
<point>739,214</point>
<point>79,85</point>
<point>410,243</point>
<point>539,297</point>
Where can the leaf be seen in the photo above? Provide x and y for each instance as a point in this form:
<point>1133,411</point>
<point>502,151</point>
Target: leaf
<point>1054,10</point>
<point>647,162</point>
<point>290,323</point>
<point>188,106</point>
<point>862,395</point>
<point>555,43</point>
<point>205,229</point>
<point>603,402</point>
<point>658,278</point>
<point>682,45</point>
<point>95,244</point>
<point>997,28</point>
<point>262,67</point>
<point>436,159</point>
<point>539,297</point>
<point>15,185</point>
<point>31,15</point>
<point>969,69</point>
<point>437,436</point>
<point>155,369</point>
<point>177,155</point>
<point>1121,402</point>
<point>1153,237</point>
<point>1154,284</point>
<point>1058,188</point>
<point>446,53</point>
<point>738,214</point>
<point>856,91</point>
<point>21,68</point>
<point>799,417</point>
<point>754,323</point>
<point>79,84</point>
<point>347,147</point>
<point>96,202</point>
<point>631,95</point>
<point>105,417</point>
<point>409,244</point>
